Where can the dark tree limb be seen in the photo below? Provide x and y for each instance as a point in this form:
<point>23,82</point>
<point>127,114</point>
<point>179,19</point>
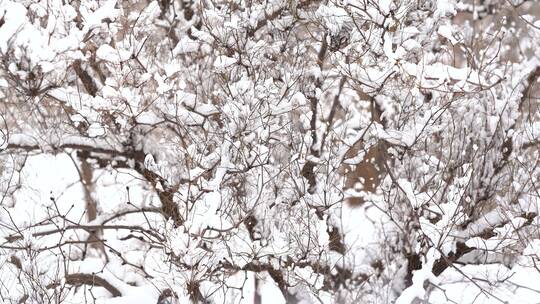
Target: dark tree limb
<point>78,279</point>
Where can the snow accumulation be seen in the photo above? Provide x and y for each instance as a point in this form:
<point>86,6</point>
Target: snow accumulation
<point>223,62</point>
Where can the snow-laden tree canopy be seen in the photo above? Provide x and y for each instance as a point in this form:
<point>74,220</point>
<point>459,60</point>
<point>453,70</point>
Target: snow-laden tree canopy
<point>208,151</point>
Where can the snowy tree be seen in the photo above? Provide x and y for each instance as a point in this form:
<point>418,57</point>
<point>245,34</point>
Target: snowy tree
<point>297,151</point>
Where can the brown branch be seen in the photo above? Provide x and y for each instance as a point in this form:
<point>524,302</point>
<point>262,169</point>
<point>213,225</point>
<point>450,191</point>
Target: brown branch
<point>335,105</point>
<point>78,279</point>
<point>531,81</point>
<point>275,14</point>
<point>88,228</point>
<point>461,249</point>
<point>166,196</point>
<point>92,149</point>
<point>85,78</point>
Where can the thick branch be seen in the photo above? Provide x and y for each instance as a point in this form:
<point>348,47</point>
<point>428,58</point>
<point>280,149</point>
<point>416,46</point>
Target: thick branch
<point>78,279</point>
